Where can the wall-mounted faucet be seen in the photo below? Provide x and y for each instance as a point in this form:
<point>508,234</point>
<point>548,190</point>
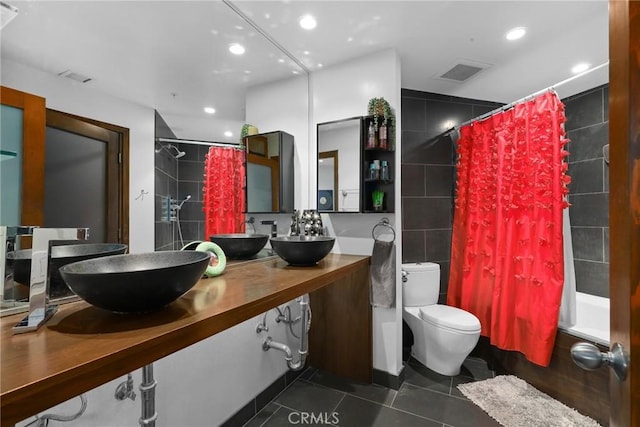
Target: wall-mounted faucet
<point>39,309</point>
<point>274,226</point>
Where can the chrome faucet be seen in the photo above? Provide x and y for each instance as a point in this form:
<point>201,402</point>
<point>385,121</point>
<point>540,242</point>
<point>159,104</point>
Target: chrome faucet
<point>274,226</point>
<point>8,239</point>
<point>39,309</point>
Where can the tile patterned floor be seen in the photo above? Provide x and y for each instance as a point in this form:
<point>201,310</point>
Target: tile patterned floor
<point>424,399</point>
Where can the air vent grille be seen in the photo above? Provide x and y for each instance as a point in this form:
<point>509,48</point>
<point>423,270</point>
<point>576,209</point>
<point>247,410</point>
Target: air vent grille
<point>462,70</point>
<point>75,76</point>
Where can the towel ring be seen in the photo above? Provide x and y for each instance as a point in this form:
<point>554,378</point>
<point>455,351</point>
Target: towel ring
<point>384,222</point>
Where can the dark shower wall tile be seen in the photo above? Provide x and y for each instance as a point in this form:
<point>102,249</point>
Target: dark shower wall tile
<point>586,177</point>
<point>192,188</point>
<point>426,213</point>
<point>192,211</point>
<point>605,238</point>
<point>588,243</point>
<point>413,246</point>
<point>414,114</point>
<point>584,110</point>
<point>191,152</point>
<point>166,162</point>
<point>589,210</point>
<point>438,245</point>
<point>587,143</point>
<point>592,277</point>
<point>440,116</point>
<point>413,180</point>
<point>444,277</point>
<point>439,180</point>
<point>191,231</point>
<point>418,148</point>
<point>164,184</point>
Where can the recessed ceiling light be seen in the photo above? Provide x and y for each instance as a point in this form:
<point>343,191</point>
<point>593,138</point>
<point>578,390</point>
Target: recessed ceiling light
<point>209,110</point>
<point>236,49</point>
<point>578,68</point>
<point>516,33</point>
<point>308,22</point>
<point>281,61</point>
<point>306,52</point>
<point>228,134</point>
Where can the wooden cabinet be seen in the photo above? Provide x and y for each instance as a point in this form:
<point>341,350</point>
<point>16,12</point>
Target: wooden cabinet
<point>376,155</point>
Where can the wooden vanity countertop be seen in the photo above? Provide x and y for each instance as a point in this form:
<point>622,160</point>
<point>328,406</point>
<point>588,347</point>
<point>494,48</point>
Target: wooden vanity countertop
<point>82,347</point>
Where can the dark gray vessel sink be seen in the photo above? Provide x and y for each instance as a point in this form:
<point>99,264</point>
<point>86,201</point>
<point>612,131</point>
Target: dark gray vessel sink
<point>302,250</point>
<point>240,245</point>
<point>136,283</point>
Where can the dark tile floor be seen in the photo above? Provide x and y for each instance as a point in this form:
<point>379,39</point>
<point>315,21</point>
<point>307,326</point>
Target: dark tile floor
<point>424,399</point>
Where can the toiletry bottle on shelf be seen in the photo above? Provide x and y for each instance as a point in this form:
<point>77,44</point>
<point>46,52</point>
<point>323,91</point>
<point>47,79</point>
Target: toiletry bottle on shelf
<point>374,173</point>
<point>384,171</point>
<point>382,137</point>
<point>371,136</point>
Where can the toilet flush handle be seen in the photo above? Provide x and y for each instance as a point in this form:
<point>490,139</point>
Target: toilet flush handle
<point>405,275</point>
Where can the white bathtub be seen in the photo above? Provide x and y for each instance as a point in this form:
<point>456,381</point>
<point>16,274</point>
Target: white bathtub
<point>592,319</point>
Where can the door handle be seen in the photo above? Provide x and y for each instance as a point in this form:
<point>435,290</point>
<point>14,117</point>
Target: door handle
<point>588,356</point>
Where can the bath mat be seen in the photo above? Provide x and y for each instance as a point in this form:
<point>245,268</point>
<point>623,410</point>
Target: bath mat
<point>514,403</point>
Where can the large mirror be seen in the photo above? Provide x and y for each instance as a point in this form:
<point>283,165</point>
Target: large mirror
<point>339,165</point>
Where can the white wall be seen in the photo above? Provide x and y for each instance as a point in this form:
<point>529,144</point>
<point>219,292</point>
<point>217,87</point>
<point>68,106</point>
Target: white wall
<point>340,92</point>
<point>284,106</point>
<point>80,99</point>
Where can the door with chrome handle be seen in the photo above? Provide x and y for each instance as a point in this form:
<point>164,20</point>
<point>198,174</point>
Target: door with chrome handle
<point>589,357</point>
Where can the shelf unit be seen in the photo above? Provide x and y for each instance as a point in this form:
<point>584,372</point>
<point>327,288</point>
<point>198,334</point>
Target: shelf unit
<point>367,156</point>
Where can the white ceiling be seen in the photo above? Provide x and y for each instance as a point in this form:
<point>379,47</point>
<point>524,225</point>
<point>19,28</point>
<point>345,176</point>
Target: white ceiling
<point>172,55</point>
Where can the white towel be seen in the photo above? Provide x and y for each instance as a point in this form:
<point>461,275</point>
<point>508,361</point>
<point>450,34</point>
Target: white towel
<point>383,274</point>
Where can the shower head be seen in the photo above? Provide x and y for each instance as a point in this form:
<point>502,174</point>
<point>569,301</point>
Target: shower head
<point>184,200</point>
<point>170,146</point>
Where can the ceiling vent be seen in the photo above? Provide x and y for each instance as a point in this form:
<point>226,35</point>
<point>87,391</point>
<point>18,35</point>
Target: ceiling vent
<point>75,76</point>
<point>462,71</point>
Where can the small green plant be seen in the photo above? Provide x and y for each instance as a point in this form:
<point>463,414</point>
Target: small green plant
<point>379,107</point>
<point>248,129</point>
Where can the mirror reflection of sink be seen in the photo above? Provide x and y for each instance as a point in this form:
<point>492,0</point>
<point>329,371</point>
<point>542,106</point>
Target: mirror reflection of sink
<point>136,283</point>
<point>302,250</point>
<point>240,245</point>
<point>20,262</point>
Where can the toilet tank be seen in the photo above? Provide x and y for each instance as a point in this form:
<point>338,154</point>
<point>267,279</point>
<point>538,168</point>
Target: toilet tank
<point>420,284</point>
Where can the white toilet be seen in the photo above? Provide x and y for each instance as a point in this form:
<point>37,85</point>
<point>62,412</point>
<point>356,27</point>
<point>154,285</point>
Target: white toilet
<point>443,336</point>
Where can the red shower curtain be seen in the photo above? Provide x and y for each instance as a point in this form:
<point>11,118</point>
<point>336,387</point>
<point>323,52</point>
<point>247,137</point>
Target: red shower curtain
<point>224,191</point>
<point>506,256</point>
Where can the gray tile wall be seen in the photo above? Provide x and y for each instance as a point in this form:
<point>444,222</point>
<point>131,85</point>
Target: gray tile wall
<point>588,129</point>
<point>166,185</point>
<point>428,174</point>
<point>191,182</point>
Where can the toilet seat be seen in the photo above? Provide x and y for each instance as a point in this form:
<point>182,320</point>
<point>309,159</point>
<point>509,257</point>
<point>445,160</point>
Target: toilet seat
<point>452,318</point>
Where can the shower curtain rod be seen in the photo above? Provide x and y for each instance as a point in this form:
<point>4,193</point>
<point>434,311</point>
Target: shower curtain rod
<point>197,142</point>
<point>526,98</point>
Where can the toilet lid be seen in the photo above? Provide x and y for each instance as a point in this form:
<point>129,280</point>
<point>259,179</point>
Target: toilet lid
<point>450,317</point>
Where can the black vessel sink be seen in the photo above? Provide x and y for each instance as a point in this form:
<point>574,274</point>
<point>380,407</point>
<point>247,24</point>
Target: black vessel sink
<point>61,255</point>
<point>302,250</point>
<point>240,245</point>
<point>136,283</point>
